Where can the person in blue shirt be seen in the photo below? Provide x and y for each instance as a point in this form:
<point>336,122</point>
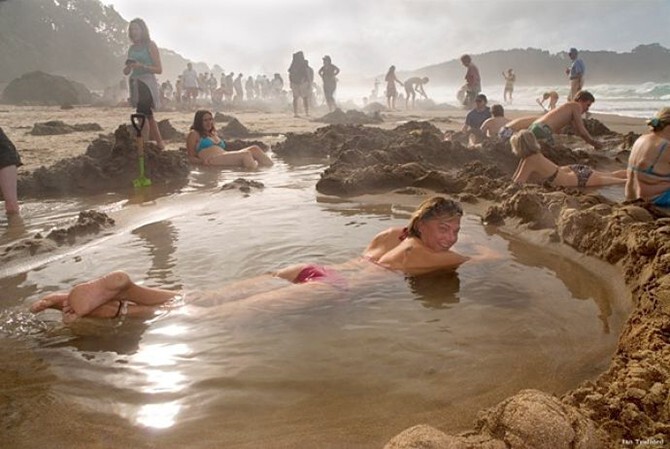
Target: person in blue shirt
<point>475,118</point>
<point>576,73</point>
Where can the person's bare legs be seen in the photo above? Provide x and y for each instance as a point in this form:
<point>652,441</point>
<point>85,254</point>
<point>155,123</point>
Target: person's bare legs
<point>238,158</point>
<point>154,132</point>
<point>305,102</point>
<point>86,297</point>
<point>295,106</point>
<point>603,179</point>
<point>8,176</point>
<point>259,155</point>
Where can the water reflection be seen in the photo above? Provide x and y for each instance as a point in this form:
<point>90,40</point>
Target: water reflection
<point>583,284</point>
<point>161,238</point>
<point>13,290</point>
<point>158,416</point>
<point>437,290</point>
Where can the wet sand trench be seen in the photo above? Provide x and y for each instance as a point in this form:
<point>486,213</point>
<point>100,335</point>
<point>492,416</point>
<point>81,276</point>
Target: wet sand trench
<point>315,371</point>
<point>605,404</point>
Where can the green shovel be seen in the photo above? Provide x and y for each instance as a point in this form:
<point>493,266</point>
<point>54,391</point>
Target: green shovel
<point>138,123</point>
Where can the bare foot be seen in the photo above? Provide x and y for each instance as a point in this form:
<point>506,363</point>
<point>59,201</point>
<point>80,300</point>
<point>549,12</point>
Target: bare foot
<point>50,301</point>
<point>88,296</point>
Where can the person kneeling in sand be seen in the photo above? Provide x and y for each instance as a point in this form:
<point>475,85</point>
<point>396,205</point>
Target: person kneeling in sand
<point>649,163</point>
<point>424,246</point>
<point>491,126</point>
<point>569,113</point>
<point>204,146</point>
<point>525,145</point>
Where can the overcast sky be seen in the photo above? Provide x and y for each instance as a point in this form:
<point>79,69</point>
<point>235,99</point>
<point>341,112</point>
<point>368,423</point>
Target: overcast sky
<point>366,36</point>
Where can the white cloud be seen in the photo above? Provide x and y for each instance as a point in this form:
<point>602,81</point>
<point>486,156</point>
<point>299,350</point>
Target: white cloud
<point>368,36</point>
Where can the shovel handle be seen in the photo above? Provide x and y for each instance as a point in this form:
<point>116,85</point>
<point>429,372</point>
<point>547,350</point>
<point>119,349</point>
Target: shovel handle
<point>138,122</point>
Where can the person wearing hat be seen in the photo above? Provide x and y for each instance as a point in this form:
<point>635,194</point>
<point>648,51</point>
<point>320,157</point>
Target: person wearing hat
<point>576,73</point>
<point>328,74</point>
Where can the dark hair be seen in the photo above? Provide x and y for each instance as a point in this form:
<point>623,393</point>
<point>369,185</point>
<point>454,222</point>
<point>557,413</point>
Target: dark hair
<point>145,38</point>
<point>433,207</point>
<point>481,97</point>
<point>466,59</point>
<point>198,122</point>
<point>497,110</point>
<point>584,95</point>
<point>388,74</point>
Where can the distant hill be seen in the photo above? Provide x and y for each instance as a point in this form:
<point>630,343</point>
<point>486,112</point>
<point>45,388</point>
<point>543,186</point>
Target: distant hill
<point>83,40</point>
<point>645,63</point>
<point>87,42</point>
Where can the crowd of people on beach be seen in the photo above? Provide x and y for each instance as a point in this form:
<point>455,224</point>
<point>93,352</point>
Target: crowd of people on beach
<point>425,245</point>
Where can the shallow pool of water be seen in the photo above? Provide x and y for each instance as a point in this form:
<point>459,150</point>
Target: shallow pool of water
<point>311,367</point>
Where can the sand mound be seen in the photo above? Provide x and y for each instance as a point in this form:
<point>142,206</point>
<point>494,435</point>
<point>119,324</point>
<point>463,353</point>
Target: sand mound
<point>168,132</point>
<point>55,127</point>
<point>351,117</point>
<point>235,129</point>
<point>222,118</point>
<point>374,107</point>
<point>88,222</point>
<point>109,164</point>
<point>243,185</point>
<point>39,88</point>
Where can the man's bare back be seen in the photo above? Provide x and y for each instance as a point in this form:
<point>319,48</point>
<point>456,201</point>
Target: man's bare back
<point>570,113</point>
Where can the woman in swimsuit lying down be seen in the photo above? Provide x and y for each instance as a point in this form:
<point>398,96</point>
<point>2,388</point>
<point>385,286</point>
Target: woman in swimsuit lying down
<point>422,247</point>
<point>204,146</point>
<point>649,163</point>
<point>524,144</point>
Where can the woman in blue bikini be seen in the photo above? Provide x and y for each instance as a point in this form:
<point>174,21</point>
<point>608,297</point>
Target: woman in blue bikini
<point>424,246</point>
<point>649,163</point>
<point>204,146</point>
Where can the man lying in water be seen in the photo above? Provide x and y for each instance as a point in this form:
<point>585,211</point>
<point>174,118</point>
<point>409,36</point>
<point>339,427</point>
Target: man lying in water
<point>422,247</point>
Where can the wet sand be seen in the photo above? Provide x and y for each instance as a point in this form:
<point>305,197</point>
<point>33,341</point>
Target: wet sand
<point>613,390</point>
<point>39,151</point>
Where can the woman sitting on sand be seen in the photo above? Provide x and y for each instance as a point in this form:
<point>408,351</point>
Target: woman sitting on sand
<point>422,247</point>
<point>649,163</point>
<point>524,144</point>
<point>204,146</point>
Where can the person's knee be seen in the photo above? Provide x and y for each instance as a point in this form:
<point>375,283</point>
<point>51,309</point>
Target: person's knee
<point>248,160</point>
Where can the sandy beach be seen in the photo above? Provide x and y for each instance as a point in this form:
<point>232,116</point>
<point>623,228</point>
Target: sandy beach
<point>159,237</point>
<point>39,151</point>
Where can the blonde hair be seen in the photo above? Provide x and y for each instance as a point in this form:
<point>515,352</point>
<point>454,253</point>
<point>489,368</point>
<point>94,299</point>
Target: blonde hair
<point>524,144</point>
<point>433,207</point>
<point>660,120</point>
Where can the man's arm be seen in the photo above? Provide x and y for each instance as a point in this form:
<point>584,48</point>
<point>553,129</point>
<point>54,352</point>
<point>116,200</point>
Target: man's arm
<point>579,126</point>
